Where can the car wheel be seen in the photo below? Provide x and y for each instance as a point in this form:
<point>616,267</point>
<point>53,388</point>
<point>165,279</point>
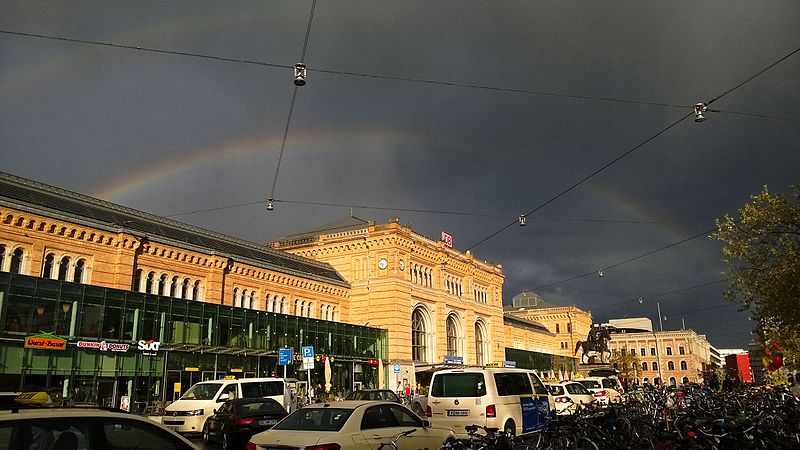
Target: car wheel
<point>510,428</point>
<point>225,443</point>
<point>206,434</point>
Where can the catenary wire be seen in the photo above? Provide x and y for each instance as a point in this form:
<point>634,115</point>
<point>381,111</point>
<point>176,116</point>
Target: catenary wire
<point>628,260</point>
<point>388,77</point>
<point>662,294</point>
<point>291,104</point>
<point>732,89</point>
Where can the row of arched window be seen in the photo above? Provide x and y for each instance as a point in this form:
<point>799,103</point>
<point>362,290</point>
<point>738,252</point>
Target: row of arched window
<point>64,268</point>
<point>421,275</point>
<point>244,298</point>
<point>12,259</point>
<point>452,285</point>
<point>670,366</point>
<point>672,381</point>
<point>423,334</point>
<point>479,294</point>
<point>174,286</point>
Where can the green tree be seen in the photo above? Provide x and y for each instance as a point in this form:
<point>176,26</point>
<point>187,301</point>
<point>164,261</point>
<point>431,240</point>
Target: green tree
<point>627,363</point>
<point>762,254</point>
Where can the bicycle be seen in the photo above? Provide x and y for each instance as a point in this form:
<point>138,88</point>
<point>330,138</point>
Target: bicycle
<point>392,445</point>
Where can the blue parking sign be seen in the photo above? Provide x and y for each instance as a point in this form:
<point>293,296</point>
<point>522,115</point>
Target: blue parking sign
<point>308,351</point>
<point>284,356</point>
<point>396,368</point>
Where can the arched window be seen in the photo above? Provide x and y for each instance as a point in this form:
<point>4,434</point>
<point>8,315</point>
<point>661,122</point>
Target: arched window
<point>672,381</point>
<point>2,256</point>
<point>196,290</point>
<point>419,342</point>
<point>655,366</point>
<point>558,329</point>
<point>480,344</point>
<point>322,312</point>
<point>452,336</point>
<point>185,289</point>
<point>644,366</point>
<point>685,380</point>
<point>137,280</point>
<point>283,305</point>
<point>310,310</point>
<point>78,275</point>
<point>670,365</point>
<point>148,284</point>
<point>63,268</point>
<point>173,287</point>
<point>235,298</point>
<point>683,365</point>
<point>298,307</point>
<point>645,380</point>
<point>162,283</point>
<point>47,266</point>
<point>16,261</point>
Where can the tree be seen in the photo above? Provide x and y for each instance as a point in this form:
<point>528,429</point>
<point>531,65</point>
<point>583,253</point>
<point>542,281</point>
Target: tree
<point>627,363</point>
<point>762,254</point>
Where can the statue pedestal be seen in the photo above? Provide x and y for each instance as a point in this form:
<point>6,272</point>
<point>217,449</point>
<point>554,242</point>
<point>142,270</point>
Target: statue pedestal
<point>584,369</point>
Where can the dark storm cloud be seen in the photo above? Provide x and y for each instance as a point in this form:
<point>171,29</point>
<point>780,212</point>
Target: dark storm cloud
<point>199,133</point>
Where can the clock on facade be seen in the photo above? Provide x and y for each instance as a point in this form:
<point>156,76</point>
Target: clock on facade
<point>382,263</point>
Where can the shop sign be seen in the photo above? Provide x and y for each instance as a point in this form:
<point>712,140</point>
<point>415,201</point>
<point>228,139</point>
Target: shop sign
<point>454,360</point>
<point>104,346</point>
<point>237,370</point>
<point>46,341</point>
<point>192,369</point>
<point>447,238</point>
<point>149,348</point>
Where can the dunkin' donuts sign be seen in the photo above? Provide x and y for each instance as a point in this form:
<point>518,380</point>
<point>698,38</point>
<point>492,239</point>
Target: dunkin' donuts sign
<point>104,346</point>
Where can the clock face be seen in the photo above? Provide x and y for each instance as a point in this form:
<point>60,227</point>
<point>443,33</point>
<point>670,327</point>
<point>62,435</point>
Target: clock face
<point>402,264</point>
<point>382,263</point>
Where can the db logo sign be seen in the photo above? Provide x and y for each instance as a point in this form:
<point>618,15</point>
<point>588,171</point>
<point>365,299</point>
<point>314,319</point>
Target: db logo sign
<point>148,347</point>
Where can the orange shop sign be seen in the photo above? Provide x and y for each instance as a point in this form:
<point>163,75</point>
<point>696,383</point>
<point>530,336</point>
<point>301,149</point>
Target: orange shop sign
<point>46,341</point>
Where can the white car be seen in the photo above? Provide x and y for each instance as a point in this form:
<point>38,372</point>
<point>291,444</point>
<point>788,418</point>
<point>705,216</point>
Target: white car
<point>350,425</point>
<point>84,428</point>
<point>568,394</point>
<point>604,389</point>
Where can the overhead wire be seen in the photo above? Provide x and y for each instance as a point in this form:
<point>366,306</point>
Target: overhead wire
<point>623,155</point>
<point>291,104</point>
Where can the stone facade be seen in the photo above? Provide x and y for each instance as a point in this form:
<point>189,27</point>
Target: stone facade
<point>569,324</point>
<point>434,300</point>
<point>672,356</point>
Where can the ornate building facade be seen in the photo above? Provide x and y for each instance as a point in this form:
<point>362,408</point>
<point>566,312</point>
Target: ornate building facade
<point>433,300</point>
<point>568,324</point>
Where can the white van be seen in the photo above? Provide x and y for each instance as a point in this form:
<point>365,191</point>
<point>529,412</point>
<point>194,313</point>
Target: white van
<point>188,414</point>
<point>513,400</point>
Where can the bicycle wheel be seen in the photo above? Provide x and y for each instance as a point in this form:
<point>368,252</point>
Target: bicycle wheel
<point>584,443</point>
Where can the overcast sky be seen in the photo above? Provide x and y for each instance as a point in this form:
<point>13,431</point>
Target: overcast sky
<point>541,95</point>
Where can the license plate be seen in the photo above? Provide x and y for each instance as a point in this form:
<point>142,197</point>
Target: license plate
<point>267,422</point>
<point>174,428</point>
<point>458,412</point>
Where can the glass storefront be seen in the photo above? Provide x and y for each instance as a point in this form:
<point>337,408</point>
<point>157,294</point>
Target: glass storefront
<point>152,348</point>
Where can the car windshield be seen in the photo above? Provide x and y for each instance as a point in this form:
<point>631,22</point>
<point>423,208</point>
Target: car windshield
<point>202,391</point>
<point>462,384</point>
<point>557,390</point>
<point>591,384</point>
<point>315,419</point>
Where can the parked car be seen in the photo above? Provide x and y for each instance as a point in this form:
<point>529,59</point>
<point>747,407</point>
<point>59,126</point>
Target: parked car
<point>568,394</point>
<point>604,389</point>
<point>513,400</point>
<point>236,421</point>
<point>351,425</point>
<point>82,428</point>
<point>374,394</point>
<point>189,413</point>
<point>419,404</point>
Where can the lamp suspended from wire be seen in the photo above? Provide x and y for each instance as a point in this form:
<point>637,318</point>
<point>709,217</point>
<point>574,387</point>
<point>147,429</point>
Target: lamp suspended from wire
<point>699,110</point>
<point>270,205</point>
<point>300,72</point>
<point>521,220</point>
<point>600,273</point>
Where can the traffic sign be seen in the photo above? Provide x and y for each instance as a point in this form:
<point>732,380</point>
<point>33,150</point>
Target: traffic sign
<point>284,356</point>
<point>308,351</point>
<point>396,368</point>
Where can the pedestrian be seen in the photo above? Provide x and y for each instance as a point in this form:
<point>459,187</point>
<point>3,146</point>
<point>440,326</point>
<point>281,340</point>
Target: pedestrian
<point>77,395</point>
<point>399,390</point>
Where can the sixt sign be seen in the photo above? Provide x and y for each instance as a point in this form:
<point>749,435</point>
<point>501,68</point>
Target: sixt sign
<point>149,348</point>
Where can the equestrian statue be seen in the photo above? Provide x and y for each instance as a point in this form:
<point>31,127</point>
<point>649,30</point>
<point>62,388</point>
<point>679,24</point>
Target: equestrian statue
<point>595,346</point>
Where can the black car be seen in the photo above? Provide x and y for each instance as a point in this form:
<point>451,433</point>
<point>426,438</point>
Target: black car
<point>236,421</point>
<point>374,394</point>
